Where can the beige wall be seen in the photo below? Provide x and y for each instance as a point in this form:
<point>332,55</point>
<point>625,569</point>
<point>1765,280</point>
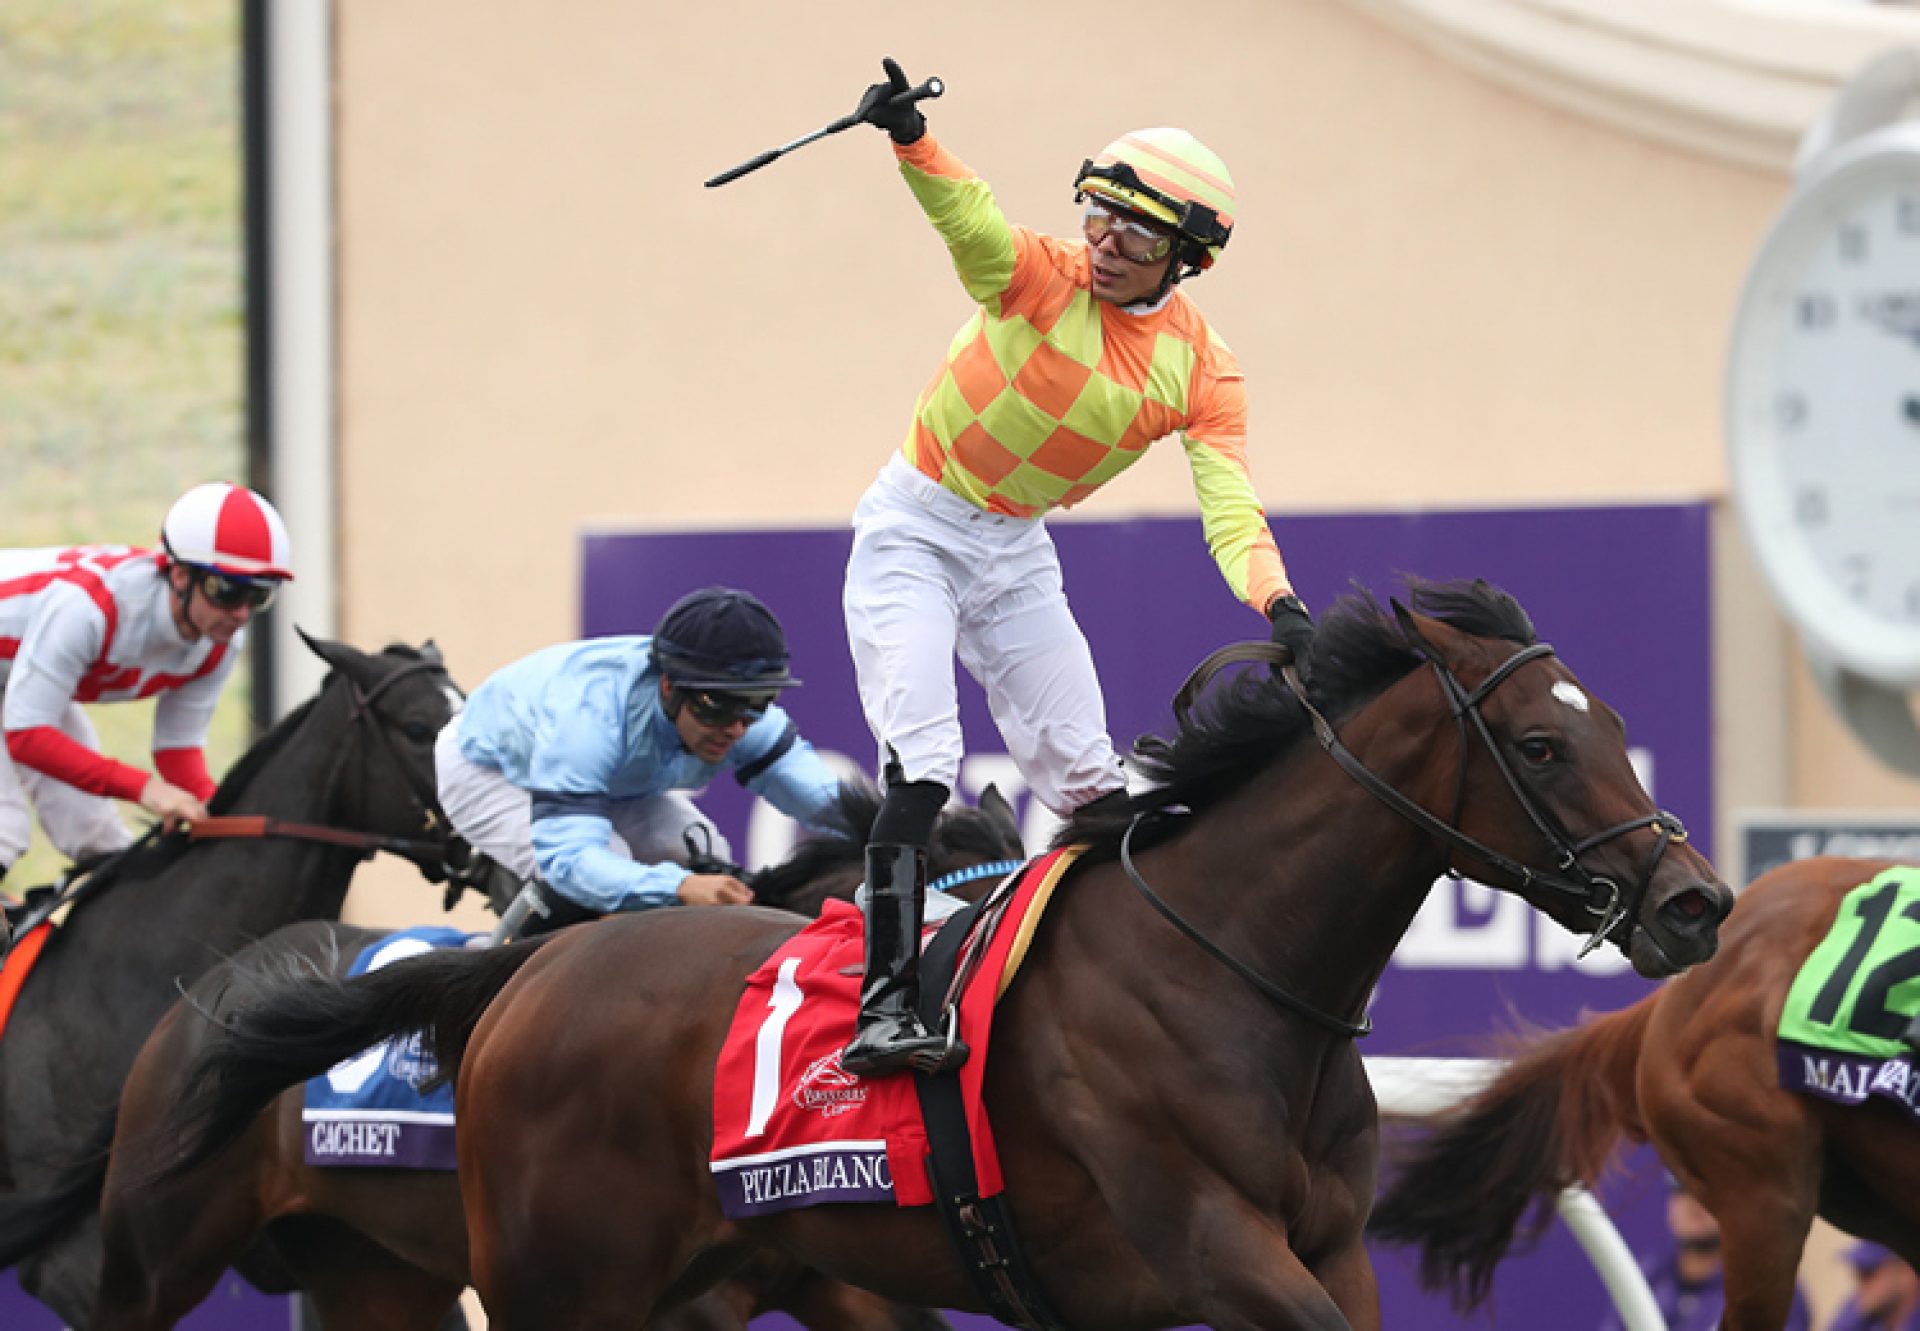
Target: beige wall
<point>1445,292</point>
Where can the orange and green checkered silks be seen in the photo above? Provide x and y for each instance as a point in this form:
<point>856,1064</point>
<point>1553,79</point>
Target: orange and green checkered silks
<point>1047,393</point>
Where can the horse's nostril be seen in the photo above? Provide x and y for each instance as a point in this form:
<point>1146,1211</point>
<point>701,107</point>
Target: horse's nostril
<point>1698,906</point>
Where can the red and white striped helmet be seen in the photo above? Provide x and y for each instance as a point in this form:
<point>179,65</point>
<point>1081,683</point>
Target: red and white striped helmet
<point>228,528</point>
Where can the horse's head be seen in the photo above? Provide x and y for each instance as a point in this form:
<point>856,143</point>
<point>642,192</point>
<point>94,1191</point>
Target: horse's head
<point>397,702</point>
<point>1549,806</point>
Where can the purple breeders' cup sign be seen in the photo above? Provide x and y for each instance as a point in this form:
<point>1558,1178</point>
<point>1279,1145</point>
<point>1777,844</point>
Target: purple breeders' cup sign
<point>1622,593</point>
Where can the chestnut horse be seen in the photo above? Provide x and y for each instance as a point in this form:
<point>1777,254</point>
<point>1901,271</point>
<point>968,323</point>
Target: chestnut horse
<point>1184,1123</point>
<point>385,1249</point>
<point>1692,1069</point>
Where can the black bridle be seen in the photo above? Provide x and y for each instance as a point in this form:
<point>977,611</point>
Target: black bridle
<point>1596,893</point>
<point>445,856</point>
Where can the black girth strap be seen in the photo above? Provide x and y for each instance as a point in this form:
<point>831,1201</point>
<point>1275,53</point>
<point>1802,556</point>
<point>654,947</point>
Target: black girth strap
<point>981,1227</point>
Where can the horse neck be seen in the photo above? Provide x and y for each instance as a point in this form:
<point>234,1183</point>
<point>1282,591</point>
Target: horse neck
<point>306,779</point>
<point>1309,878</point>
<point>242,888</point>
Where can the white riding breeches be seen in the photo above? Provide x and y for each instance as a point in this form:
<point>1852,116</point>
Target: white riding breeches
<point>78,823</point>
<point>932,576</point>
<point>495,816</point>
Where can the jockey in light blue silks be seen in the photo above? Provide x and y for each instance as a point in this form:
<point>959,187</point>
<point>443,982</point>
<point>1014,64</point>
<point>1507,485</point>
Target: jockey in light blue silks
<point>568,765</point>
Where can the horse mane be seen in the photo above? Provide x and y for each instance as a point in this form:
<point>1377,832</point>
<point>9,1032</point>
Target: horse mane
<point>847,822</point>
<point>962,832</point>
<point>1246,723</point>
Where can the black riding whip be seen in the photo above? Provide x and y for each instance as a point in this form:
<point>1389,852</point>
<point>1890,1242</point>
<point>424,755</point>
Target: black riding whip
<point>920,92</point>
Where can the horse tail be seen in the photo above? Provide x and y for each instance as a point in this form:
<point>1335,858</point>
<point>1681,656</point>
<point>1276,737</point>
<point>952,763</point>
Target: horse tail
<point>30,1222</point>
<point>1491,1169</point>
<point>304,1024</point>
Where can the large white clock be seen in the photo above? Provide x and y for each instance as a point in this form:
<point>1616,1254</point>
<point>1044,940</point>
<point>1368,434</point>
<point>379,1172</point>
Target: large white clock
<point>1823,415</point>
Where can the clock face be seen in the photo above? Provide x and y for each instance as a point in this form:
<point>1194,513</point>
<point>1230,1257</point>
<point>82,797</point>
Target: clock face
<point>1823,407</point>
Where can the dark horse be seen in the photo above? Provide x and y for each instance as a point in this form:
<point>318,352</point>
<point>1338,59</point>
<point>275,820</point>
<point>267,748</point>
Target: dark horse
<point>1184,1123</point>
<point>357,757</point>
<point>386,1248</point>
<point>1691,1068</point>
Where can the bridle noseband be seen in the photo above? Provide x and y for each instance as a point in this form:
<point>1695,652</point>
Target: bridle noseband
<point>1598,894</point>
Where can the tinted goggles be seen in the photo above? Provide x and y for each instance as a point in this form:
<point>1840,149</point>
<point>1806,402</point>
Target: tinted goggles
<point>712,708</point>
<point>225,593</point>
<point>1136,241</point>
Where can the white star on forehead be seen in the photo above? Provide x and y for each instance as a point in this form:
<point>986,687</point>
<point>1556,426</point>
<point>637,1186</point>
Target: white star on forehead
<point>1569,693</point>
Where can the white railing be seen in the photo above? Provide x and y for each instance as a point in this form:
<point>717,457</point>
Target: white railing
<point>1410,1086</point>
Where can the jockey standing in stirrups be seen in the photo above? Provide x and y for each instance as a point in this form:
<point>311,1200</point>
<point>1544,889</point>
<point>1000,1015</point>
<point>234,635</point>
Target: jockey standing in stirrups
<point>566,766</point>
<point>109,624</point>
<point>1081,355</point>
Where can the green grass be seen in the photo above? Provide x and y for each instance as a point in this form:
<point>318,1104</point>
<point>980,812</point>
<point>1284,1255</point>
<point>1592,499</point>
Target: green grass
<point>121,322</point>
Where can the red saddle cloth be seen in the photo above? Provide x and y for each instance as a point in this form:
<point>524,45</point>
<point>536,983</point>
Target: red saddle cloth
<point>791,1127</point>
<point>19,962</point>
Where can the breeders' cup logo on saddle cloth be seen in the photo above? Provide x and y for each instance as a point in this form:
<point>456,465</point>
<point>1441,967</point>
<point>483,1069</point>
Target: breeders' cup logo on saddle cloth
<point>829,1089</point>
<point>409,1062</point>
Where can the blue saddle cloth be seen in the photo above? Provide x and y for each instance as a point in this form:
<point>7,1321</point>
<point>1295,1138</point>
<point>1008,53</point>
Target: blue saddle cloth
<point>369,1111</point>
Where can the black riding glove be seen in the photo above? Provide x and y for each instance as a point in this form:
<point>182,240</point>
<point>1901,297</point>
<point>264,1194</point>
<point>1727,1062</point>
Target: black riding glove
<point>1293,629</point>
<point>903,121</point>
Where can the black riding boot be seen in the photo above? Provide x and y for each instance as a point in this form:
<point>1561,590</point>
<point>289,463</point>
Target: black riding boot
<point>890,1037</point>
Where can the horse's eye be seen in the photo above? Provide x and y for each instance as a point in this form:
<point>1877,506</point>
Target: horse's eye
<point>1539,750</point>
<point>418,733</point>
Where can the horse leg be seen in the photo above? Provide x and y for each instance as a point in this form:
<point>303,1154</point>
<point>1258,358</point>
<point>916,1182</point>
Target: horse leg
<point>152,1277</point>
<point>1229,1266</point>
<point>357,1285</point>
<point>1749,1152</point>
<point>1244,1276</point>
<point>572,1238</point>
<point>1350,1282</point>
<point>728,1306</point>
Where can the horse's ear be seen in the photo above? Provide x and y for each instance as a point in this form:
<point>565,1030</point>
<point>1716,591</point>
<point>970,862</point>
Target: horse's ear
<point>318,646</point>
<point>998,808</point>
<point>336,654</point>
<point>1411,630</point>
<point>430,651</point>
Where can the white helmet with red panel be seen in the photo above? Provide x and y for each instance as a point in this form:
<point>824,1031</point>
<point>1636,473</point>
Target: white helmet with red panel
<point>230,529</point>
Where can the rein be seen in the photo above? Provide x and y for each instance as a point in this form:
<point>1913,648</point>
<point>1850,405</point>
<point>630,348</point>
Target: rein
<point>231,827</point>
<point>1348,1030</point>
<point>443,855</point>
<point>1597,893</point>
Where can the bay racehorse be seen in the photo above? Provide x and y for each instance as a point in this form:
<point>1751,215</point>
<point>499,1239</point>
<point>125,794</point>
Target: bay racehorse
<point>1691,1068</point>
<point>357,759</point>
<point>385,1249</point>
<point>1180,1110</point>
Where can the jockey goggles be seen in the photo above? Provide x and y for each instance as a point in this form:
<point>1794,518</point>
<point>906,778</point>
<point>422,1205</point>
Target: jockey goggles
<point>711,707</point>
<point>228,593</point>
<point>1136,241</point>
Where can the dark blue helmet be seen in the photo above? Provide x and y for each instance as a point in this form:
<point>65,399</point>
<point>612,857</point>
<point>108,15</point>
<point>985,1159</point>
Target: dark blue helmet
<point>722,638</point>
